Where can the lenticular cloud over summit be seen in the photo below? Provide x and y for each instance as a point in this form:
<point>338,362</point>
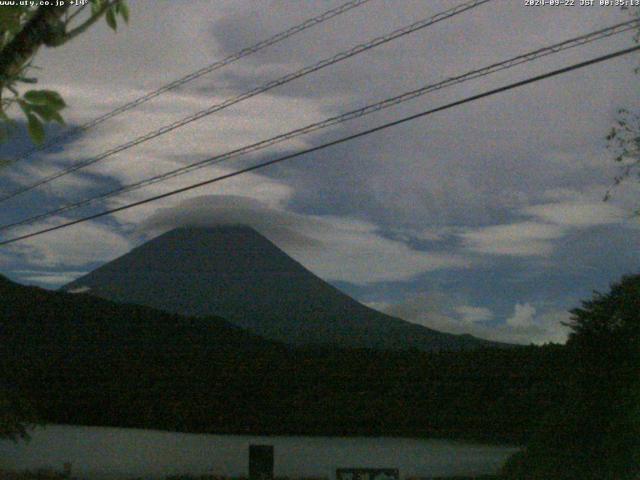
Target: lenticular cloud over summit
<point>335,248</point>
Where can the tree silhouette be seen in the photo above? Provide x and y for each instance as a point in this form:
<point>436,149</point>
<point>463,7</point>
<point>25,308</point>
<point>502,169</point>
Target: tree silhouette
<point>595,432</point>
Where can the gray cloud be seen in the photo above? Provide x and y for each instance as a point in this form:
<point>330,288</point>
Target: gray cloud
<point>547,223</point>
<point>474,314</point>
<point>73,247</point>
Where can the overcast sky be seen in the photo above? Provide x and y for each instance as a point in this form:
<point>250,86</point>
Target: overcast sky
<point>486,218</point>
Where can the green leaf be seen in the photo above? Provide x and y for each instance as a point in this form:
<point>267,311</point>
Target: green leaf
<point>96,5</point>
<point>123,10</point>
<point>45,97</point>
<point>56,117</point>
<point>111,19</point>
<point>36,130</point>
<point>47,114</point>
<point>25,107</point>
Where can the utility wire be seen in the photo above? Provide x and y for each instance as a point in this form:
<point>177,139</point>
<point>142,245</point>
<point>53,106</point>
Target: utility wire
<point>334,12</point>
<point>332,143</point>
<point>256,91</point>
<point>503,65</point>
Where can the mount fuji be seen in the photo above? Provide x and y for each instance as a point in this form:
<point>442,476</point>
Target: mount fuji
<point>236,273</point>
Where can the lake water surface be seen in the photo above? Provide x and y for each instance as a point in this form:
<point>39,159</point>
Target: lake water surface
<point>99,452</point>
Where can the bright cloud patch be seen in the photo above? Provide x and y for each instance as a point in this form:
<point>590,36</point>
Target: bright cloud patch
<point>474,314</point>
<point>71,247</point>
<point>437,310</point>
<point>549,222</point>
<point>574,214</point>
<point>518,239</point>
<point>523,316</point>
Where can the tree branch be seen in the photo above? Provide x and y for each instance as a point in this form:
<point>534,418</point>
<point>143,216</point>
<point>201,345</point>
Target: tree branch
<point>75,14</point>
<point>26,43</point>
<point>90,21</point>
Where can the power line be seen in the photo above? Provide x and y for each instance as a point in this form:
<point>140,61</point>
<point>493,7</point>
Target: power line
<point>334,12</point>
<point>256,91</point>
<point>493,68</point>
<point>332,143</point>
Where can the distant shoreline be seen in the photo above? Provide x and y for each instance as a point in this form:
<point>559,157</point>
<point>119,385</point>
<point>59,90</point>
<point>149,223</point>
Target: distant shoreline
<point>461,440</point>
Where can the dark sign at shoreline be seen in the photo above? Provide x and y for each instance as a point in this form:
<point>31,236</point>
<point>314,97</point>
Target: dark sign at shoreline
<point>260,462</point>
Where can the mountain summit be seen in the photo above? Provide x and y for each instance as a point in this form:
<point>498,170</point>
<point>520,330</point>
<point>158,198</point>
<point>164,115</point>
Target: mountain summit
<point>238,274</point>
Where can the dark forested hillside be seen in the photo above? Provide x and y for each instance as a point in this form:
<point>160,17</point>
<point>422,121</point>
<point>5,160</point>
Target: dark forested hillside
<point>83,360</point>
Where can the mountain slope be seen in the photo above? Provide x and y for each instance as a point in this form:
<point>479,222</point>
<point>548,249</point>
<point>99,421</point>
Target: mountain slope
<point>236,273</point>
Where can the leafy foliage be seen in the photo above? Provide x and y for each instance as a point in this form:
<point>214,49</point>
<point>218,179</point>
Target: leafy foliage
<point>23,30</point>
<point>624,141</point>
<point>41,106</point>
<point>624,137</point>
